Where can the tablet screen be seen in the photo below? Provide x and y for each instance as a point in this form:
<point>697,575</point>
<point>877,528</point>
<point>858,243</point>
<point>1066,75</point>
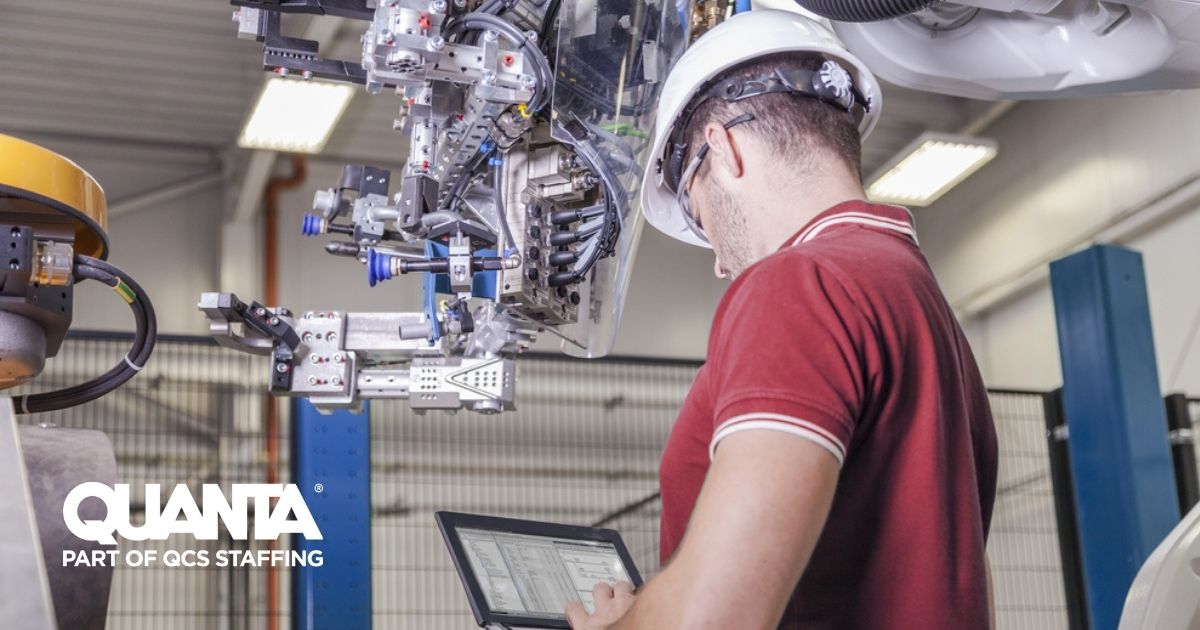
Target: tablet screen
<point>535,576</point>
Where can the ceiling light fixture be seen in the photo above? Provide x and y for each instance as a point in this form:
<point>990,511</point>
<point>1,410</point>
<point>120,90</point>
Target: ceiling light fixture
<point>295,116</point>
<point>929,167</point>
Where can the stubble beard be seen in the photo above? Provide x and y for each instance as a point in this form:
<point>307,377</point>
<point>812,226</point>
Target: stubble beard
<point>730,230</point>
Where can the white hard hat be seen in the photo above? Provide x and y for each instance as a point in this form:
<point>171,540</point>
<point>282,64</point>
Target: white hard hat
<point>736,41</point>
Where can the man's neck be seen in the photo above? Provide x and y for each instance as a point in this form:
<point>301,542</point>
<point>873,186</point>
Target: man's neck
<point>782,208</point>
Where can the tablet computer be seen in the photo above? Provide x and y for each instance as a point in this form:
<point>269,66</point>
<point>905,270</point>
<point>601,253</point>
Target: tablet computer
<point>521,574</point>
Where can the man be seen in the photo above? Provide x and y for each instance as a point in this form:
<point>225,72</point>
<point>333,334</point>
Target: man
<point>834,464</point>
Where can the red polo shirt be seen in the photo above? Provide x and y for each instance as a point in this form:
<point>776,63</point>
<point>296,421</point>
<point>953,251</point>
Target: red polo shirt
<point>843,337</point>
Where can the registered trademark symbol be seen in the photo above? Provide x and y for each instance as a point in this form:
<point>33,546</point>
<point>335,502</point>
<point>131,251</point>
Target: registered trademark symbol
<point>319,487</point>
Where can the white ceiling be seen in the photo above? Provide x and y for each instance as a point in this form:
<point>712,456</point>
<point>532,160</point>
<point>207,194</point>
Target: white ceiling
<point>173,73</point>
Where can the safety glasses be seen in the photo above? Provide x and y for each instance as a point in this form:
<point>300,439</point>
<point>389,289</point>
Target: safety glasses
<point>682,197</point>
<point>683,181</point>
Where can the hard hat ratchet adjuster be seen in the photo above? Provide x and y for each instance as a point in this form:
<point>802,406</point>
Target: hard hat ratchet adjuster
<point>830,84</point>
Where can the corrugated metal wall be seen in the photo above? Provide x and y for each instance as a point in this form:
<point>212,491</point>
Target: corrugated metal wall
<point>583,448</point>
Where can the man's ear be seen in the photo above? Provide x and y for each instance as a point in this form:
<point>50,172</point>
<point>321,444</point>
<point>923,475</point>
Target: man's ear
<point>723,150</point>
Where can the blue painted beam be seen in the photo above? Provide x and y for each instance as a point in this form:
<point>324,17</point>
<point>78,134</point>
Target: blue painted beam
<point>331,466</point>
<point>1120,456</point>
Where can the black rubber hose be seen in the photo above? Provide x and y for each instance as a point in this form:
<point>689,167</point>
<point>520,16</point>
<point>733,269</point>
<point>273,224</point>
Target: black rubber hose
<point>146,332</point>
<point>864,10</point>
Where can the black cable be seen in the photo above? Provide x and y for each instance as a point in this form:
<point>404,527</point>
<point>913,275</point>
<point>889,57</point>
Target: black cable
<point>122,372</point>
<point>114,377</point>
<point>611,228</point>
<point>491,7</point>
<point>548,25</point>
<point>454,195</point>
<point>146,331</point>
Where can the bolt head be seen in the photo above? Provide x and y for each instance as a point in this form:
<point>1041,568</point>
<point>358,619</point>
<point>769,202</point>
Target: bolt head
<point>336,381</point>
<point>281,367</point>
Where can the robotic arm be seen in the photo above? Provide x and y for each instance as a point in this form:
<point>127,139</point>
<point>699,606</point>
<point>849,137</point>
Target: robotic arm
<point>1023,49</point>
<point>525,147</point>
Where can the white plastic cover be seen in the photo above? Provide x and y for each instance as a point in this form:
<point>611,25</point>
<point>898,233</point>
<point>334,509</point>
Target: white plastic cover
<point>612,58</point>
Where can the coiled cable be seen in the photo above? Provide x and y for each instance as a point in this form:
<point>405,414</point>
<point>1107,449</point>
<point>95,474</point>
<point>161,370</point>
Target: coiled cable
<point>146,332</point>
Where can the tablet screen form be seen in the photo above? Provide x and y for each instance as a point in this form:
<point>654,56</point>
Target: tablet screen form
<point>535,576</point>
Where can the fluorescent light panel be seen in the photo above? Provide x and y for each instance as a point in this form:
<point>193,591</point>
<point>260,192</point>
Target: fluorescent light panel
<point>929,168</point>
<point>295,116</point>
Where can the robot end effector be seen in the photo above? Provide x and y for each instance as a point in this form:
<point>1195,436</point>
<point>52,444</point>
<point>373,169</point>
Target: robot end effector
<point>338,359</point>
<point>511,202</point>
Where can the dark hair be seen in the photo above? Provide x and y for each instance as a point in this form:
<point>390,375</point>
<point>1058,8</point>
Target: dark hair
<point>792,126</point>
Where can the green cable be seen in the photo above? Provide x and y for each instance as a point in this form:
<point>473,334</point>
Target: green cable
<point>123,290</point>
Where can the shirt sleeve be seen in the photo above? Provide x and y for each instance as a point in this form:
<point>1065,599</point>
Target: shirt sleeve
<point>789,354</point>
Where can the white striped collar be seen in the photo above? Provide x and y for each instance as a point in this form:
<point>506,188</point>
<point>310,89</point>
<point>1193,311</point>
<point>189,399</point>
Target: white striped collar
<point>867,218</point>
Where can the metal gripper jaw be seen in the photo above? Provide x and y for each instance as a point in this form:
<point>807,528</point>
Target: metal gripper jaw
<point>337,359</point>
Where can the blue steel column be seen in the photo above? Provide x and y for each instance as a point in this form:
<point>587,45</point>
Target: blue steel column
<point>1120,457</point>
<point>332,453</point>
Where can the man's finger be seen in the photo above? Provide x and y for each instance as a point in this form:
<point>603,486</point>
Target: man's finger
<point>601,591</point>
<point>621,589</point>
<point>576,614</point>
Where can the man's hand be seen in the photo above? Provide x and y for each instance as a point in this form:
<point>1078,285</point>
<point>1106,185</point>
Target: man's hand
<point>611,604</point>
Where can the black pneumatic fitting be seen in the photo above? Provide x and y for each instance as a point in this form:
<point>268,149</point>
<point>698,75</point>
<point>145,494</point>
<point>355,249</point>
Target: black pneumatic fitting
<point>561,278</point>
<point>558,259</point>
<point>563,217</point>
<point>563,238</point>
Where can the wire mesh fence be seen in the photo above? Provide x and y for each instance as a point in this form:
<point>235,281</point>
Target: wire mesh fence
<point>1023,545</point>
<point>583,448</point>
<point>194,416</point>
<point>584,444</point>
